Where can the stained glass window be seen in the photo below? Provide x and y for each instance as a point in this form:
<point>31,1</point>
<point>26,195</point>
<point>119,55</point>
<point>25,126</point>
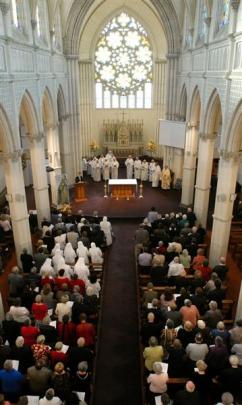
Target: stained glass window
<point>223,13</point>
<point>123,65</point>
<point>203,14</point>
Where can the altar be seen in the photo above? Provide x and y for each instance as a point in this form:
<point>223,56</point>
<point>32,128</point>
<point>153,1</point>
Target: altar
<point>122,188</point>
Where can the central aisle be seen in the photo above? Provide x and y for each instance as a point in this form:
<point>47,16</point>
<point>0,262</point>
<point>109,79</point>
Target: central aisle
<point>118,378</point>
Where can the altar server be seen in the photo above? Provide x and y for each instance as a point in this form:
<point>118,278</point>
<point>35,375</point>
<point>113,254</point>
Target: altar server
<point>156,175</point>
<point>114,168</point>
<point>137,168</point>
<point>96,169</point>
<point>129,163</point>
<point>151,170</point>
<point>144,171</point>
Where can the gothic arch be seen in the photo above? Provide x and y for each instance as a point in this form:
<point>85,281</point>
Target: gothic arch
<point>6,133</point>
<point>61,103</point>
<point>234,131</point>
<point>28,114</point>
<point>79,11</point>
<point>48,112</point>
<point>213,114</point>
<point>195,107</point>
<point>182,112</point>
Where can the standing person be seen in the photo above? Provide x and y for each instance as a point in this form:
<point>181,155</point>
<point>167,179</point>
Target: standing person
<point>11,381</point>
<point>156,175</point>
<point>137,168</point>
<point>106,169</point>
<point>166,178</point>
<point>129,163</point>
<point>114,168</point>
<point>106,227</point>
<point>151,170</point>
<point>144,171</point>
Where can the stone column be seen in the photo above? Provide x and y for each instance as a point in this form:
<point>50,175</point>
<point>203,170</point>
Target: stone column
<point>5,9</point>
<point>65,153</point>
<point>189,168</point>
<point>225,196</point>
<point>159,99</point>
<point>40,185</point>
<point>54,160</point>
<point>17,201</point>
<point>203,180</point>
<point>86,106</point>
<point>171,90</point>
<point>74,135</point>
<point>177,164</point>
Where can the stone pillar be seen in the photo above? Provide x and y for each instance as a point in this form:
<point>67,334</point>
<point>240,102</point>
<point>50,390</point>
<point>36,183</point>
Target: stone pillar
<point>159,99</point>
<point>177,163</point>
<point>203,180</point>
<point>171,90</point>
<point>86,106</point>
<point>5,9</point>
<point>17,201</point>
<point>54,160</point>
<point>65,153</point>
<point>40,184</point>
<point>74,135</point>
<point>189,168</point>
<point>225,196</point>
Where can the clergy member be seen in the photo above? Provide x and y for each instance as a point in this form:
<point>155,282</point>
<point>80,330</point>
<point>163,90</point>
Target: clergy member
<point>129,163</point>
<point>151,170</point>
<point>114,168</point>
<point>166,178</point>
<point>106,169</point>
<point>144,171</point>
<point>156,175</point>
<point>137,168</point>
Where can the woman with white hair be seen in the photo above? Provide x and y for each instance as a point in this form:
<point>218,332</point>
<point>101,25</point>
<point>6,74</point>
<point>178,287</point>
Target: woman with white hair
<point>69,254</point>
<point>81,269</point>
<point>95,253</point>
<point>157,381</point>
<point>58,260</point>
<point>22,353</point>
<point>106,227</point>
<point>47,267</point>
<point>82,251</point>
<point>55,249</point>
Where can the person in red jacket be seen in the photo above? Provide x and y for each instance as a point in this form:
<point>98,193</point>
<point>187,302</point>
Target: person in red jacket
<point>86,330</point>
<point>39,309</point>
<point>61,279</point>
<point>66,330</point>
<point>57,355</point>
<point>30,332</point>
<point>206,270</point>
<point>76,281</point>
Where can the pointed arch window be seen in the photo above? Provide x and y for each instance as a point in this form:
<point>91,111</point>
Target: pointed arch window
<point>18,13</point>
<point>123,65</point>
<point>203,14</point>
<point>222,15</point>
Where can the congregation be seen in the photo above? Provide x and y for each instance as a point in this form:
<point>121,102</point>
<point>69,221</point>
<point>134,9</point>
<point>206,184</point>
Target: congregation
<point>185,338</point>
<point>48,337</point>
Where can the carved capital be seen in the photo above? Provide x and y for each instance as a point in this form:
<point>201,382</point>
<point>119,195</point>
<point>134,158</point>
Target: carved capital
<point>229,155</point>
<point>14,156</point>
<point>4,7</point>
<point>52,127</point>
<point>205,137</point>
<point>191,125</point>
<point>235,4</point>
<point>36,137</point>
<point>207,21</point>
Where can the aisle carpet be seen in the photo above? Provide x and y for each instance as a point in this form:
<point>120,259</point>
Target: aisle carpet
<point>118,375</point>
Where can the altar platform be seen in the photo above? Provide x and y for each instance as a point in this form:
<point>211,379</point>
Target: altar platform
<point>122,188</point>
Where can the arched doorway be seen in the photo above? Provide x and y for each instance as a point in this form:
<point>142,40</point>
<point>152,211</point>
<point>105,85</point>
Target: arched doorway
<point>33,141</point>
<point>211,133</point>
<point>52,148</point>
<point>10,156</point>
<point>190,153</point>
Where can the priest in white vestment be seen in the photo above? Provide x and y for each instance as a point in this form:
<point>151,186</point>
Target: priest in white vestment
<point>156,175</point>
<point>96,169</point>
<point>129,163</point>
<point>137,168</point>
<point>106,169</point>
<point>114,168</point>
<point>151,170</point>
<point>144,171</point>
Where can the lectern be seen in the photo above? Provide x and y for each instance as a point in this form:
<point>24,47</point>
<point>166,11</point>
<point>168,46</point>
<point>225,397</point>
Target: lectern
<point>80,191</point>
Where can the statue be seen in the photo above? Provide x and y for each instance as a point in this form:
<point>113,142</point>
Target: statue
<point>123,135</point>
<point>63,191</point>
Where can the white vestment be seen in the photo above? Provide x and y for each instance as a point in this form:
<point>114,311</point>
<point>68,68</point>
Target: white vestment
<point>137,169</point>
<point>151,171</point>
<point>129,163</point>
<point>114,169</point>
<point>144,171</point>
<point>106,227</point>
<point>156,176</point>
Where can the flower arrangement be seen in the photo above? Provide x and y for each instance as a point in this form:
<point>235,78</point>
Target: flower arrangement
<point>94,146</point>
<point>151,146</point>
